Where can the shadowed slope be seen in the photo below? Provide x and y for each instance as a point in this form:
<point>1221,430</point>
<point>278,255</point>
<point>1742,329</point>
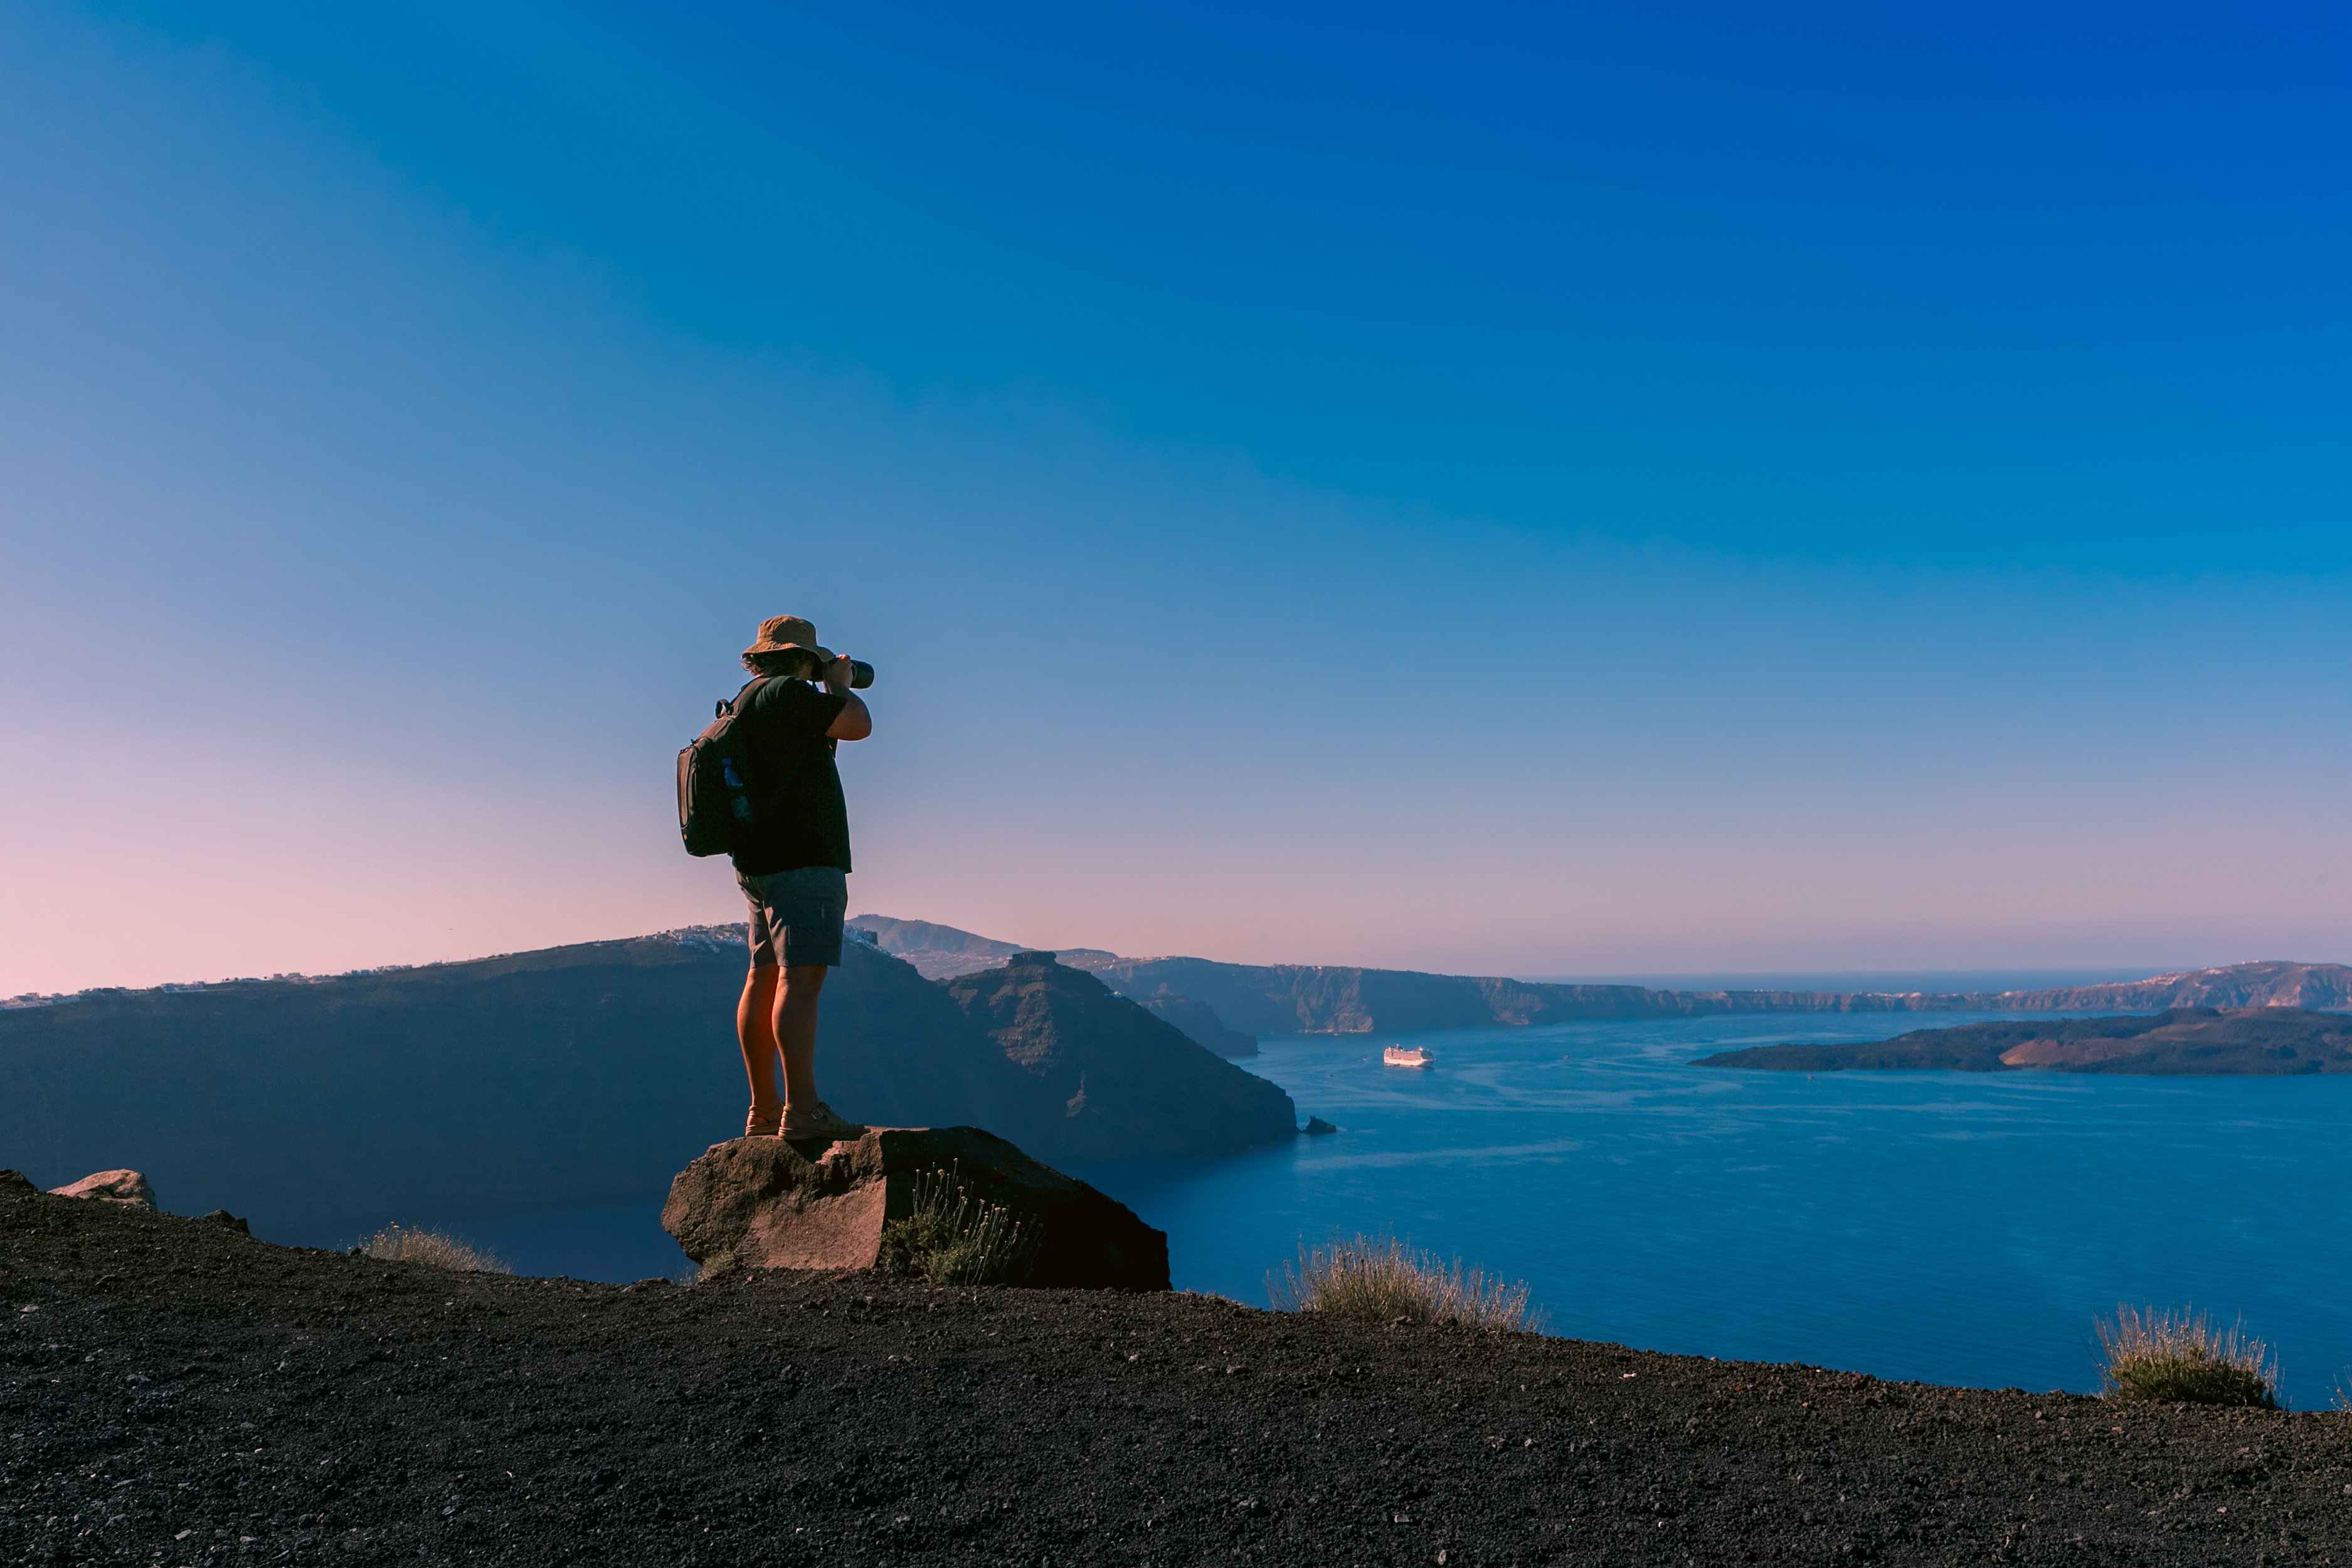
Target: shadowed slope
<point>564,1079</point>
<point>1117,1068</point>
<point>1200,1024</point>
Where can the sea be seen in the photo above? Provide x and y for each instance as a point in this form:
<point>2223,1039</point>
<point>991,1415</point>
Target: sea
<point>1965,1228</point>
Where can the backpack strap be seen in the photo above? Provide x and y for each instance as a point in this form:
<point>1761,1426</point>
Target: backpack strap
<point>739,704</point>
<point>739,741</point>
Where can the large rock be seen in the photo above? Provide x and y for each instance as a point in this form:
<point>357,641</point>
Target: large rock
<point>768,1204</point>
<point>127,1188</point>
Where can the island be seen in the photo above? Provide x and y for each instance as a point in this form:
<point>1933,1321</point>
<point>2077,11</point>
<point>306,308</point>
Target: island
<point>2211,1041</point>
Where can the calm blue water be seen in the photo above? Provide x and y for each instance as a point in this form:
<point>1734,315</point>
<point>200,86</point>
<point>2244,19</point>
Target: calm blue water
<point>1957,1227</point>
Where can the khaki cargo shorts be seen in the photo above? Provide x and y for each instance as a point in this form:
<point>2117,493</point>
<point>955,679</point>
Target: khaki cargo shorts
<point>796,916</point>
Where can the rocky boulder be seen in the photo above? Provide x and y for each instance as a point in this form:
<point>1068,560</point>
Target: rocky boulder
<point>764,1203</point>
<point>127,1188</point>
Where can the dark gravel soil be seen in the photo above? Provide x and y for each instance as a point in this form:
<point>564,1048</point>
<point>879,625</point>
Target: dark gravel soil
<point>173,1393</point>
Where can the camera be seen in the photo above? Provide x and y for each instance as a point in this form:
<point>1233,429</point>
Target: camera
<point>861,674</point>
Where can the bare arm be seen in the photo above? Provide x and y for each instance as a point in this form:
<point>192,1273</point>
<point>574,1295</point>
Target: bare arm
<point>852,722</point>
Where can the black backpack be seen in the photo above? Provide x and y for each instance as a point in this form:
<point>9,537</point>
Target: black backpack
<point>714,780</point>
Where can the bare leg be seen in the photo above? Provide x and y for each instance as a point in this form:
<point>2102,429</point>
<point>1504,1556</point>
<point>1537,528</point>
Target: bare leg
<point>755,1028</point>
<point>794,1031</point>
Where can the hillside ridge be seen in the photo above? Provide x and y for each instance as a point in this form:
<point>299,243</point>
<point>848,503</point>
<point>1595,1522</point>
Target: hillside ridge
<point>576,1077</point>
<point>1286,998</point>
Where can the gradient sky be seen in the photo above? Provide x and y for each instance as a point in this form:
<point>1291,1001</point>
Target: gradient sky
<point>1510,489</point>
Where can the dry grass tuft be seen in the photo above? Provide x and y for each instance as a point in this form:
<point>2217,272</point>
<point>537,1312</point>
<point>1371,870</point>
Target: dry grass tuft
<point>1383,1280</point>
<point>438,1249</point>
<point>951,1238</point>
<point>2181,1358</point>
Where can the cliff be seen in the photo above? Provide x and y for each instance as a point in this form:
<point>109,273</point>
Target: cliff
<point>571,1077</point>
<point>942,953</point>
<point>1115,1069</point>
<point>1285,998</point>
<point>2270,984</point>
<point>1200,1024</point>
<point>2264,1041</point>
<point>1298,998</point>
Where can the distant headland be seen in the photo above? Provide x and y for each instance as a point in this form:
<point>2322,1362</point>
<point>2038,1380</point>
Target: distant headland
<point>2180,1041</point>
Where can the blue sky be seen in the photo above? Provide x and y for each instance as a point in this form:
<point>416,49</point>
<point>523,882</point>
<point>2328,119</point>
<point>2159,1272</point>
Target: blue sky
<point>1557,491</point>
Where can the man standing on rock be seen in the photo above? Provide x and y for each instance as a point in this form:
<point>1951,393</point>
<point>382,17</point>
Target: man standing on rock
<point>793,866</point>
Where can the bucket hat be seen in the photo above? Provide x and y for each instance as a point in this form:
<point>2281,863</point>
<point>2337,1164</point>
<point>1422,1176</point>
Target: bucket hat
<point>790,633</point>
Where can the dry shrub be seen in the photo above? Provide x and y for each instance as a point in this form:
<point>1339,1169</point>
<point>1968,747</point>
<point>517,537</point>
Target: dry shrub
<point>951,1238</point>
<point>1384,1281</point>
<point>2180,1358</point>
<point>438,1249</point>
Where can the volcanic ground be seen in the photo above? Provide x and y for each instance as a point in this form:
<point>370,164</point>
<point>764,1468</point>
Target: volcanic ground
<point>172,1392</point>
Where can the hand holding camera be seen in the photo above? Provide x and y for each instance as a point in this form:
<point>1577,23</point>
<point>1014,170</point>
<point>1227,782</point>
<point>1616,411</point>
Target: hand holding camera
<point>845,674</point>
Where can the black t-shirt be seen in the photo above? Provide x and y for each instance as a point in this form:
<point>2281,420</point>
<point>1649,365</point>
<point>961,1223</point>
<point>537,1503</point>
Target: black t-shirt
<point>799,816</point>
